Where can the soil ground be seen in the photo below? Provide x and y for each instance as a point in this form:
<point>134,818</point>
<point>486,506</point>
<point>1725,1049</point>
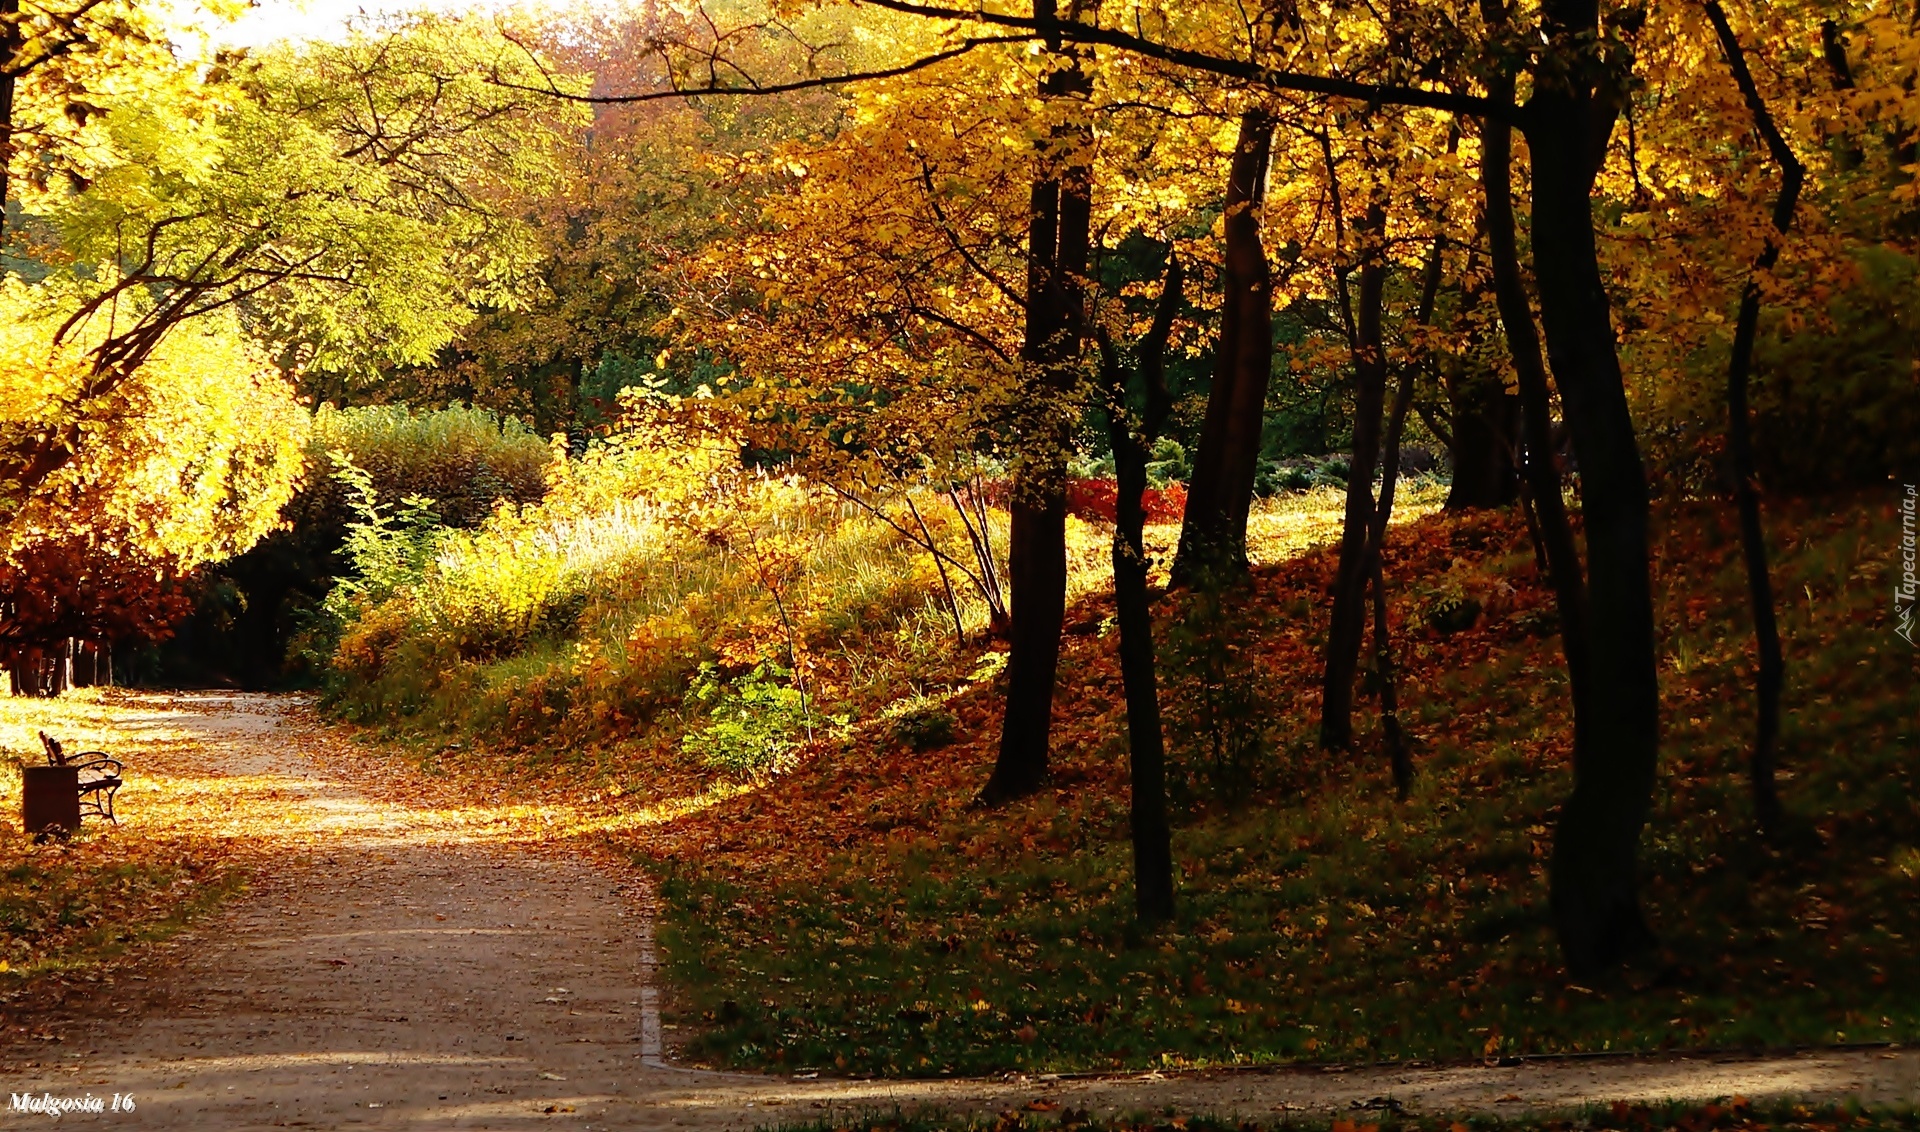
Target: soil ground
<point>399,961</point>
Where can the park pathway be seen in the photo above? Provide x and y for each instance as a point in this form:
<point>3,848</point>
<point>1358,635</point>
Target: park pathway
<point>397,963</point>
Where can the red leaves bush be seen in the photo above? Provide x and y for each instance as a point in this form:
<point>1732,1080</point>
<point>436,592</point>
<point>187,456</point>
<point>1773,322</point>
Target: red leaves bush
<point>1099,499</point>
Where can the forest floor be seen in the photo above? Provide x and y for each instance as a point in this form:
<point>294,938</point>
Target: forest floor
<point>860,914</point>
<point>396,950</point>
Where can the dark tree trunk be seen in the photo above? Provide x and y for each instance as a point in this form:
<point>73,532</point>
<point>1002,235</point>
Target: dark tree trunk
<point>1058,234</point>
<point>1213,531</point>
<point>1486,420</point>
<point>1398,757</point>
<point>1152,834</point>
<point>1753,539</point>
<point>1547,516</point>
<point>1349,621</point>
<point>1397,754</point>
<point>18,668</point>
<point>1593,881</point>
<point>10,43</point>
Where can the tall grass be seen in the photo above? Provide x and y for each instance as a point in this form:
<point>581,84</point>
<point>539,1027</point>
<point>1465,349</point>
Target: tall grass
<point>586,619</point>
<point>463,459</point>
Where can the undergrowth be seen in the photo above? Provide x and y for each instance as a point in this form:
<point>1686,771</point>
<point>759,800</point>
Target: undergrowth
<point>858,915</point>
<point>666,611</point>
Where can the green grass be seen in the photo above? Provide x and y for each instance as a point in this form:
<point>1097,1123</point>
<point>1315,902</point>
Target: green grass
<point>1321,921</point>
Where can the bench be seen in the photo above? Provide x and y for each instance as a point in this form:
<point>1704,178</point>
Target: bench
<point>100,776</point>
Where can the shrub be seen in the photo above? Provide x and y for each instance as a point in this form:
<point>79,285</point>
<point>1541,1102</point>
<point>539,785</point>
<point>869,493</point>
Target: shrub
<point>1219,708</point>
<point>1098,500</point>
<point>463,460</point>
<point>921,722</point>
<point>755,721</point>
<point>266,624</point>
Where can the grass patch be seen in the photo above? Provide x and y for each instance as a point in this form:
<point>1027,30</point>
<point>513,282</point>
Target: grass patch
<point>857,915</point>
<point>1736,1115</point>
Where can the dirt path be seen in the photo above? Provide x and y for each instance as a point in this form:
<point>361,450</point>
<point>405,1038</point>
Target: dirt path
<point>406,965</point>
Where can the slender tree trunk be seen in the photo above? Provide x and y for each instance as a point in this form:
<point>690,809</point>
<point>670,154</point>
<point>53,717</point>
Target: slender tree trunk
<point>1397,754</point>
<point>1593,881</point>
<point>1152,834</point>
<point>1753,539</point>
<point>1213,531</point>
<point>10,43</point>
<point>1485,420</point>
<point>1349,621</point>
<point>940,563</point>
<point>1058,234</point>
<point>1553,532</point>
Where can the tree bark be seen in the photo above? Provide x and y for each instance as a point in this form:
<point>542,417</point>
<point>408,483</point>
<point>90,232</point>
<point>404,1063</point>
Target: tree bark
<point>1146,746</point>
<point>1553,531</point>
<point>1349,621</point>
<point>1397,755</point>
<point>1746,493</point>
<point>1593,881</point>
<point>1213,530</point>
<point>10,43</point>
<point>1486,419</point>
<point>1058,235</point>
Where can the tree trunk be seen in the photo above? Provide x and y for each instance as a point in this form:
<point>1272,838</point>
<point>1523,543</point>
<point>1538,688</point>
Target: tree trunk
<point>1486,418</point>
<point>10,43</point>
<point>1058,234</point>
<point>1349,621</point>
<point>1593,881</point>
<point>1753,539</point>
<point>1397,755</point>
<point>63,667</point>
<point>1553,532</point>
<point>1213,531</point>
<point>1146,746</point>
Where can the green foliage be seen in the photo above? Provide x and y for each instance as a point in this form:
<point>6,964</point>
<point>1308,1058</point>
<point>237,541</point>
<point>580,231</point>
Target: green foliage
<point>754,721</point>
<point>921,722</point>
<point>387,547</point>
<point>586,617</point>
<point>1168,464</point>
<point>1300,474</point>
<point>338,190</point>
<point>464,460</point>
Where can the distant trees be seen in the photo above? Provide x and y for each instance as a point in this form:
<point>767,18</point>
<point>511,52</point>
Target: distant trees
<point>204,232</point>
